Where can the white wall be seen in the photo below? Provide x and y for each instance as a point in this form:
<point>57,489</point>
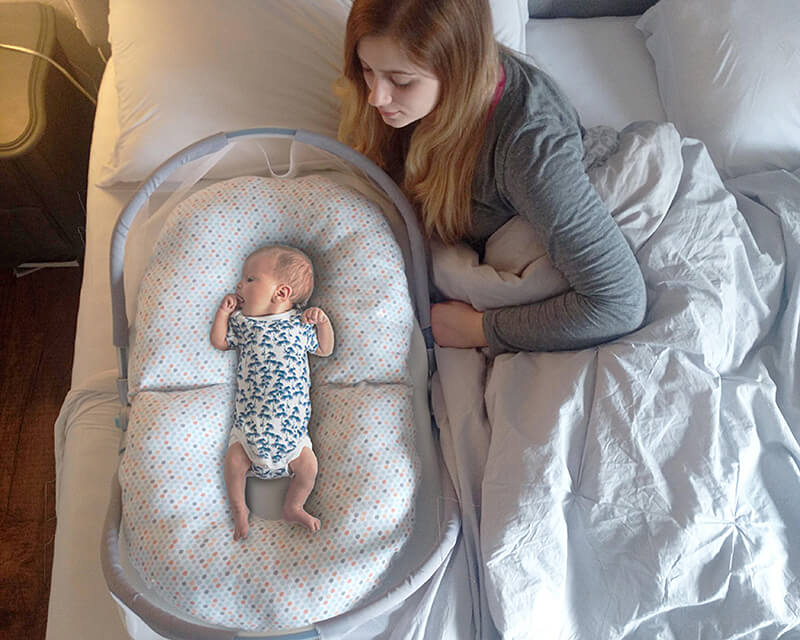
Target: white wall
<point>85,61</point>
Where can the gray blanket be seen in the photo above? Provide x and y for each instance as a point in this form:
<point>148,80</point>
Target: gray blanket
<point>646,488</point>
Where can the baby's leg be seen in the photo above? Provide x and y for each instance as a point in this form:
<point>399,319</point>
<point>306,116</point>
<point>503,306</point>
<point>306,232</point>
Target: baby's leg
<point>236,466</point>
<point>304,468</point>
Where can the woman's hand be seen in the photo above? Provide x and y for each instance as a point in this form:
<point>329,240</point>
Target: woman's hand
<point>456,324</point>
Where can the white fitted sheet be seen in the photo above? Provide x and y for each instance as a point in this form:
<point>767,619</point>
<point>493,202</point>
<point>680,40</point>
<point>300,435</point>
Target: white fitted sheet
<point>86,440</point>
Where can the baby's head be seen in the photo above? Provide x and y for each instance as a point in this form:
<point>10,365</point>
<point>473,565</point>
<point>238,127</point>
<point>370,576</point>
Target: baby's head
<point>275,278</point>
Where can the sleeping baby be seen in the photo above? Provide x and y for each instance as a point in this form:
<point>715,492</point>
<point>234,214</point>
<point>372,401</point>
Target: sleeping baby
<point>269,437</point>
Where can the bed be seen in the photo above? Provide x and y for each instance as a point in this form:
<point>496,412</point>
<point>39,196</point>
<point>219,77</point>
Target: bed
<point>642,489</point>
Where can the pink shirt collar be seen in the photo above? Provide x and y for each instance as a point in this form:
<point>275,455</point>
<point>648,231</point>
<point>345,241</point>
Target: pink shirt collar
<point>498,90</point>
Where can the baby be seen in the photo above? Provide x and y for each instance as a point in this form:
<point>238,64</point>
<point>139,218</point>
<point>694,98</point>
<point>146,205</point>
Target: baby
<point>269,437</point>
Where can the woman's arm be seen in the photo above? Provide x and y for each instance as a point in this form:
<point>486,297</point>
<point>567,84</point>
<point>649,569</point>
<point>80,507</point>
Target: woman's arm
<point>543,179</point>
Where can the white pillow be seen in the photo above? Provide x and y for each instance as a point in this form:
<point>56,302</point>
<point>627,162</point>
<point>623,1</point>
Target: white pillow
<point>601,65</point>
<point>509,18</point>
<point>729,74</point>
<point>186,69</point>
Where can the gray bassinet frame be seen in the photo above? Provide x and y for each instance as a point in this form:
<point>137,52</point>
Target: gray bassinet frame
<point>122,589</point>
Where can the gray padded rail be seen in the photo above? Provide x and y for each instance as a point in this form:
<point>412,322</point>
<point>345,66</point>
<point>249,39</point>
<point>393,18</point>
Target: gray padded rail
<point>126,217</point>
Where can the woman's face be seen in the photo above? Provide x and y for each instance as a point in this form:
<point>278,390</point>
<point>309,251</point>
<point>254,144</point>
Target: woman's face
<point>401,91</point>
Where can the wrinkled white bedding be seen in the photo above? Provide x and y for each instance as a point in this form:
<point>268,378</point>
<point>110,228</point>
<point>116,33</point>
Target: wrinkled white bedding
<point>646,488</point>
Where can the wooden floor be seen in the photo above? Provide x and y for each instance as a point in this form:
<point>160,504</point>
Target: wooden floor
<point>37,329</point>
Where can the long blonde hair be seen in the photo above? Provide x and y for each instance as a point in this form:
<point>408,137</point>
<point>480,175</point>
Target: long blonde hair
<point>434,159</point>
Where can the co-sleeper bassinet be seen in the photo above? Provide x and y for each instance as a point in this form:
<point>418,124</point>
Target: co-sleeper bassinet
<point>437,516</point>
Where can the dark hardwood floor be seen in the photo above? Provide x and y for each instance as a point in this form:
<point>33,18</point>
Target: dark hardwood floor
<point>37,328</point>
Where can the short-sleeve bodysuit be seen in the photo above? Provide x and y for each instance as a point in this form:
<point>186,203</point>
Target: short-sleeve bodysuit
<point>273,404</point>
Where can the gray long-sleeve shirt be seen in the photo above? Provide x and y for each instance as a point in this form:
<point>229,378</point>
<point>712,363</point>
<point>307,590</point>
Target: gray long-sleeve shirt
<point>531,164</point>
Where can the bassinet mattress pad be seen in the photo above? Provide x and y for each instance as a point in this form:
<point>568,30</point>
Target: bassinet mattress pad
<point>176,516</point>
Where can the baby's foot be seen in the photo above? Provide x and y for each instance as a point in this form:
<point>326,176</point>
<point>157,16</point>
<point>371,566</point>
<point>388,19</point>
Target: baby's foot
<point>241,524</point>
<point>298,514</point>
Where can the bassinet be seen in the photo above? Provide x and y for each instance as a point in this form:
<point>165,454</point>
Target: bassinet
<point>437,516</point>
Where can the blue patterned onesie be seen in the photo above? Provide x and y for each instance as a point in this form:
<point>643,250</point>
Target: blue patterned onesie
<point>272,388</point>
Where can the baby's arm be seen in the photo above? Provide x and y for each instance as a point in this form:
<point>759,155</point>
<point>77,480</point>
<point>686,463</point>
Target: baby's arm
<point>317,317</point>
<point>220,327</point>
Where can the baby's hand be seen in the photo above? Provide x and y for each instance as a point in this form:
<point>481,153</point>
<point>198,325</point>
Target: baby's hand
<point>314,315</point>
<point>228,304</point>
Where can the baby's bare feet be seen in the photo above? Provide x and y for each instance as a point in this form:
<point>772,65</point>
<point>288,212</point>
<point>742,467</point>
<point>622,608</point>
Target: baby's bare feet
<point>241,525</point>
<point>298,514</point>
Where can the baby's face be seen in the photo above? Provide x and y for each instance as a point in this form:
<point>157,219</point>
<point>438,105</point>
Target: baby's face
<point>258,290</point>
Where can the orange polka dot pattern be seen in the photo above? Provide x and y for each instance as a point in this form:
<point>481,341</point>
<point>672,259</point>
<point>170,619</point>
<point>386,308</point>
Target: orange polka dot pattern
<point>359,280</point>
<point>175,508</point>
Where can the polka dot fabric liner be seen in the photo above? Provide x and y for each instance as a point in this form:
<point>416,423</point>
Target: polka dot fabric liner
<point>179,527</point>
<point>175,508</point>
<point>359,273</point>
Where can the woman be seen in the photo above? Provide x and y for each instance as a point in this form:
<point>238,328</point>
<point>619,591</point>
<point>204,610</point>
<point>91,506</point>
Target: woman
<point>475,135</point>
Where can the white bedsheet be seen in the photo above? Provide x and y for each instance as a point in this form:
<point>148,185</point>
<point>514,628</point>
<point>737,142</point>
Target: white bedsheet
<point>86,440</point>
<point>645,488</point>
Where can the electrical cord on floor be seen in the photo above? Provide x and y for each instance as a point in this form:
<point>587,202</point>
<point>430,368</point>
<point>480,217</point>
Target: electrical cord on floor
<point>13,47</point>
